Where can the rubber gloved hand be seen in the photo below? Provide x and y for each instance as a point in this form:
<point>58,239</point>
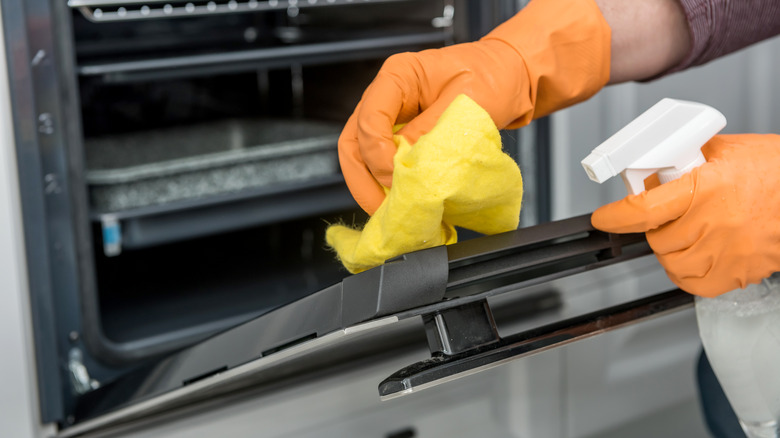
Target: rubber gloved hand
<point>552,54</point>
<point>716,228</point>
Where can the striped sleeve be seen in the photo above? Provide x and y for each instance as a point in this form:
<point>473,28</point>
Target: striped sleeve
<point>719,27</point>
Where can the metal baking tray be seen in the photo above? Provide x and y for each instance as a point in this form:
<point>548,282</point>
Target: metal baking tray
<point>135,170</point>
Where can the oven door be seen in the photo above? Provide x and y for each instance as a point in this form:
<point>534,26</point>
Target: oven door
<point>424,320</point>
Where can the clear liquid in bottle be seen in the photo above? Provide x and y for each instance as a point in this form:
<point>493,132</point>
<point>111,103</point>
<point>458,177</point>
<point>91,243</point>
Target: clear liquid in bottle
<point>740,331</point>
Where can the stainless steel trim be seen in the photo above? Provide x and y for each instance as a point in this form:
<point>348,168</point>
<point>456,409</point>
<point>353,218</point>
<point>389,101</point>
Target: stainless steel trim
<point>153,404</point>
<point>416,378</point>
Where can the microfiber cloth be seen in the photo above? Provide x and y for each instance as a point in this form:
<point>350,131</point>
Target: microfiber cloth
<point>455,175</point>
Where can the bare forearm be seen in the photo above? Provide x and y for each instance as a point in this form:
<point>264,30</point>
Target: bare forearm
<point>648,37</point>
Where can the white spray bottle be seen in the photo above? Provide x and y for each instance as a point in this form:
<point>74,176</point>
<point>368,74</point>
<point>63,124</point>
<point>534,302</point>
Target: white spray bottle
<point>740,330</point>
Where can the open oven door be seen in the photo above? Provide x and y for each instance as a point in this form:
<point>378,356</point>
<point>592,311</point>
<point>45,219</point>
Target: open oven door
<point>443,297</point>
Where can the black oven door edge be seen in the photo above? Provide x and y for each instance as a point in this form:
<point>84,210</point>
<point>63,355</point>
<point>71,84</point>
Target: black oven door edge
<point>447,288</point>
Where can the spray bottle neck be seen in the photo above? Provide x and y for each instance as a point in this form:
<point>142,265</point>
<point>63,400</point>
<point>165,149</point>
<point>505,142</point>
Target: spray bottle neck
<point>672,173</point>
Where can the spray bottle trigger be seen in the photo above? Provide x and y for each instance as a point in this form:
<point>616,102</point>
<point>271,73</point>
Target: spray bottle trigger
<point>635,179</point>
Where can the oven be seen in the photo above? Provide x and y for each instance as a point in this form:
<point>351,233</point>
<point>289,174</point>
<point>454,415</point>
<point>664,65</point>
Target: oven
<point>178,160</point>
<point>177,168</point>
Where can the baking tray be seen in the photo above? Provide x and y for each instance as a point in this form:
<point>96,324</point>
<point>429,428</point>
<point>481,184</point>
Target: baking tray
<point>163,166</point>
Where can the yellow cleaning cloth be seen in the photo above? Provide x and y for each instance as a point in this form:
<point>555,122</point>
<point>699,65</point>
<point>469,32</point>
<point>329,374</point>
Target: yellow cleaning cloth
<point>455,175</point>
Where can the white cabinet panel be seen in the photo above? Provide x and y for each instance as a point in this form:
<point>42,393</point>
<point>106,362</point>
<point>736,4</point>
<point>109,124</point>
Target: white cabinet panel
<point>618,378</point>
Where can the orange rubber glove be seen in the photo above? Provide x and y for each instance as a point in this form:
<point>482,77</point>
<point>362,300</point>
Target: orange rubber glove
<point>552,54</point>
<point>716,228</point>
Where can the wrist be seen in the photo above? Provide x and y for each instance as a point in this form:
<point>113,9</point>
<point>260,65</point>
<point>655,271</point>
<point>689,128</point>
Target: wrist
<point>649,37</point>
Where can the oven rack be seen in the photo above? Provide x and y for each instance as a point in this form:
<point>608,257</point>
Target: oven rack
<point>166,223</point>
<point>128,10</point>
<point>273,57</point>
<point>171,184</point>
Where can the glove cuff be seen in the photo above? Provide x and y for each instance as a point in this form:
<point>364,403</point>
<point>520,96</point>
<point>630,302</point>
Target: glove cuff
<point>565,45</point>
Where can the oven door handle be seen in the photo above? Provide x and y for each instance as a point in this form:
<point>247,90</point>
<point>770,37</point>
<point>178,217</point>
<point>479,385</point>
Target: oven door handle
<point>452,359</point>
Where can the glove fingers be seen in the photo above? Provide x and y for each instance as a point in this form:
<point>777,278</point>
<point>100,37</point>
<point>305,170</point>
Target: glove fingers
<point>649,209</point>
<point>695,271</point>
<point>675,236</point>
<point>714,147</point>
<point>361,183</point>
<point>720,145</point>
<point>383,104</point>
<point>423,123</point>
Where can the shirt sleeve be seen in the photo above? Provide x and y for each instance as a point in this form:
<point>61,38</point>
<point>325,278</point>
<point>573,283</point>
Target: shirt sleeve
<point>719,27</point>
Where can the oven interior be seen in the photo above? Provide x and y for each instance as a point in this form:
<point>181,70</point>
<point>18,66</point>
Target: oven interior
<point>210,163</point>
<point>201,162</point>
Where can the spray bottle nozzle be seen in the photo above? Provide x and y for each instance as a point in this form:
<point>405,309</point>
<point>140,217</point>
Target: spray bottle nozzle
<point>667,139</point>
<point>598,167</point>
